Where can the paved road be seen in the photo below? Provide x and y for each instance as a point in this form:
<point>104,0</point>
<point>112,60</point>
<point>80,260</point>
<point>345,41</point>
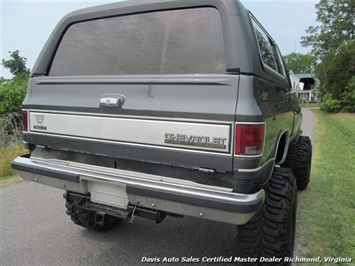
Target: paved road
<point>36,231</point>
<point>308,123</point>
<point>308,128</point>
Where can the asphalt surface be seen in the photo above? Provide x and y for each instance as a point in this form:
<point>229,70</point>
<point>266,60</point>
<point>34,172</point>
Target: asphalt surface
<point>36,231</point>
<point>309,123</point>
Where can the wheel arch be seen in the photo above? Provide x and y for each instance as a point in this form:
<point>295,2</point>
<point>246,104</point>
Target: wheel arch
<point>282,147</point>
<point>280,154</point>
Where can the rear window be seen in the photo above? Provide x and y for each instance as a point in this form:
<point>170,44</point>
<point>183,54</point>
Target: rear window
<point>167,42</point>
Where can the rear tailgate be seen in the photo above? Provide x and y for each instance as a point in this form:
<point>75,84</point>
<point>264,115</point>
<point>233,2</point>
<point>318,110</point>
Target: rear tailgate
<point>140,86</point>
<point>180,120</point>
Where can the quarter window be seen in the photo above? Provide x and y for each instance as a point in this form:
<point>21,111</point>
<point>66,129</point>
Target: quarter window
<point>269,52</point>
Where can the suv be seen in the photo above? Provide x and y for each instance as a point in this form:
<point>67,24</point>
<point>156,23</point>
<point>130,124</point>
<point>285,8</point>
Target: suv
<point>162,108</point>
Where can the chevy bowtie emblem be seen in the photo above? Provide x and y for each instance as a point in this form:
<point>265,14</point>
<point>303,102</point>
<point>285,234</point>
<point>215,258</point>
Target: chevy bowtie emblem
<point>40,118</point>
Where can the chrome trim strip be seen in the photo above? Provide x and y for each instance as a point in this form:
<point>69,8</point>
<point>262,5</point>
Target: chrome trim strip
<point>134,117</point>
<point>255,169</point>
<point>220,79</point>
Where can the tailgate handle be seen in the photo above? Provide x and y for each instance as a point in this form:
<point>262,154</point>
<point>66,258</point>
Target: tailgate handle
<point>112,100</point>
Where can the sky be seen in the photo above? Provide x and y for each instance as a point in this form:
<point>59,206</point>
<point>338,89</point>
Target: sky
<point>26,25</point>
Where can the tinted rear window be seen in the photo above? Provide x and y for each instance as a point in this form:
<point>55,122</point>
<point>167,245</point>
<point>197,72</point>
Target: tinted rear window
<point>168,42</point>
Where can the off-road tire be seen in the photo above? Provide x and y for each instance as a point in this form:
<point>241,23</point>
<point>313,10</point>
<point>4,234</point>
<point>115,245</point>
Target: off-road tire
<point>86,218</point>
<point>299,159</point>
<point>271,232</point>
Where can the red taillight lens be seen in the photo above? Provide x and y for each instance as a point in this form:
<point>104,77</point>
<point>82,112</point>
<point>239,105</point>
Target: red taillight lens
<point>25,121</point>
<point>249,139</point>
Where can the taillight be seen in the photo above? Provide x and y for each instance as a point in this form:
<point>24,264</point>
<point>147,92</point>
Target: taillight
<point>25,120</point>
<point>249,139</point>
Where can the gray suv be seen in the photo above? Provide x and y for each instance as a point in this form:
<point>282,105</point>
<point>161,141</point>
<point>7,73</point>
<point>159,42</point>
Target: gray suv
<point>156,108</point>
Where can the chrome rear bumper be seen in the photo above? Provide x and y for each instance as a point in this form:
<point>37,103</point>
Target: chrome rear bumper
<point>148,191</point>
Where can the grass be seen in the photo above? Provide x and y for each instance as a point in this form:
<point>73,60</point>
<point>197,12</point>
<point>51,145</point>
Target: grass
<point>6,156</point>
<point>327,207</point>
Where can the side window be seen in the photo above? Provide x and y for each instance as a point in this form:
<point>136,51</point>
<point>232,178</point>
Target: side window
<point>269,52</point>
<point>265,47</point>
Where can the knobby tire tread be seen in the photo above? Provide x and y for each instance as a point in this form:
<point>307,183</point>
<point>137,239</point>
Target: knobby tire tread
<point>299,159</point>
<point>271,230</point>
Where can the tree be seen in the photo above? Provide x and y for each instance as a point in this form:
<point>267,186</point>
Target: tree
<point>299,63</point>
<point>321,71</point>
<point>13,91</point>
<point>16,64</point>
<point>339,80</point>
<point>337,26</point>
<point>333,46</point>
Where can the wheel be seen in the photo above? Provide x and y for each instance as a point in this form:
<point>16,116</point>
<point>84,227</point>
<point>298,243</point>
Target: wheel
<point>299,159</point>
<point>86,218</point>
<point>271,232</point>
<point>303,162</point>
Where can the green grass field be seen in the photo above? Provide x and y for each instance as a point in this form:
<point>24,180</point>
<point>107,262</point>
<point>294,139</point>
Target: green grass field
<point>327,208</point>
<point>6,156</point>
